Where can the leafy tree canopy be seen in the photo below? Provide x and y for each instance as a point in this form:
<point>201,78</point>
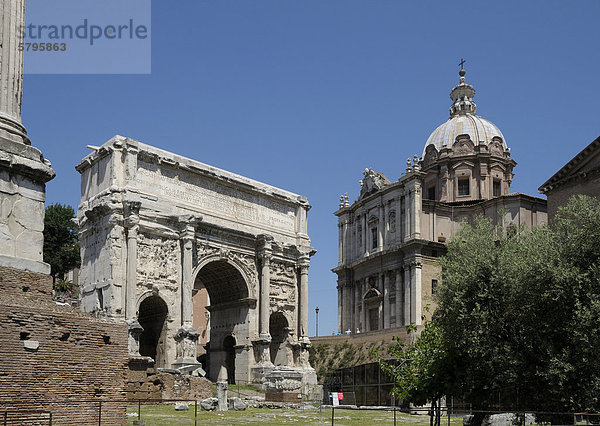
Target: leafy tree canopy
<point>61,242</point>
<point>518,318</point>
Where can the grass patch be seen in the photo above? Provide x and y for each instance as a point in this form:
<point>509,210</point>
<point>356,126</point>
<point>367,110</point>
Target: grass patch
<point>166,415</point>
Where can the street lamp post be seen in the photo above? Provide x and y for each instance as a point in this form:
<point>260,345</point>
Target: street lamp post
<point>317,323</point>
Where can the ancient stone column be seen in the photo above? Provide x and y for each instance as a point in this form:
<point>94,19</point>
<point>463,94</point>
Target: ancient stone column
<point>11,72</point>
<point>303,308</point>
<point>264,340</point>
<point>23,169</point>
<point>131,212</point>
<point>132,220</point>
<point>187,236</point>
<point>187,336</point>
<point>265,295</point>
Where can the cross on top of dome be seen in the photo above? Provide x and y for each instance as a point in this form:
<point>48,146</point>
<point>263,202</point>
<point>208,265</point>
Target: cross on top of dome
<point>462,95</point>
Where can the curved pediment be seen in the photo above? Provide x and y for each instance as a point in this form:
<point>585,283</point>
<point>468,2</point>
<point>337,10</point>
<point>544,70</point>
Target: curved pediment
<point>463,145</point>
<point>431,155</point>
<point>496,147</point>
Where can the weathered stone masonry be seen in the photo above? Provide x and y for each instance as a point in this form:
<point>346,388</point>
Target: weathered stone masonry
<point>158,229</point>
<point>51,353</point>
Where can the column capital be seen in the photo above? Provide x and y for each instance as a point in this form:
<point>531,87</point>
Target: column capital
<point>132,223</point>
<point>131,212</point>
<point>131,208</point>
<point>187,224</point>
<point>303,267</point>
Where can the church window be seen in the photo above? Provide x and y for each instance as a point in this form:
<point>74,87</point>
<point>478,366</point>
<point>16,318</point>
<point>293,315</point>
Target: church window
<point>463,187</point>
<point>374,237</point>
<point>496,188</point>
<point>434,284</point>
<point>431,193</point>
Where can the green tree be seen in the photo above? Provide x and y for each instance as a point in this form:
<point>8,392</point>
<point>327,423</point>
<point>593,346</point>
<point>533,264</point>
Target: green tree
<point>420,369</point>
<point>61,243</point>
<point>518,318</point>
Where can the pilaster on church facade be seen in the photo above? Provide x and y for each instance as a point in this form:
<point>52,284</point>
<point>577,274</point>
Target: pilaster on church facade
<point>392,235</point>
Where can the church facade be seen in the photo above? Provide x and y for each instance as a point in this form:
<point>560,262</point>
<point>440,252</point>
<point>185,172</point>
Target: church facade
<point>391,236</point>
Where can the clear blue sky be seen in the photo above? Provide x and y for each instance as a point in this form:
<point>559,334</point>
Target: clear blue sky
<point>304,95</point>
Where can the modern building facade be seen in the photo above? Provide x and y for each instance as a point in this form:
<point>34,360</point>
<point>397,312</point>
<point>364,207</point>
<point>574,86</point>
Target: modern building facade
<point>391,236</point>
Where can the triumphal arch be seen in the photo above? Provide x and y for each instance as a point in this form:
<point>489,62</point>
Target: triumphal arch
<point>204,265</point>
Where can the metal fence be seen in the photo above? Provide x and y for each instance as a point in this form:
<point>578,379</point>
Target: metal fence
<point>26,417</point>
<point>370,385</point>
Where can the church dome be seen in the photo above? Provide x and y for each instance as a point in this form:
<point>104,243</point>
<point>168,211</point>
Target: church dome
<point>464,121</point>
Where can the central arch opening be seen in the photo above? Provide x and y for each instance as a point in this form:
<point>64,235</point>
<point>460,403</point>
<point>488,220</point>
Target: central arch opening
<point>152,317</point>
<point>221,317</point>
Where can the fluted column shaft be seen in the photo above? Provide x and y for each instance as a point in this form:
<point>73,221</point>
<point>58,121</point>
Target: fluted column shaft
<point>131,275</point>
<point>303,314</point>
<point>265,294</point>
<point>12,23</point>
<point>186,281</point>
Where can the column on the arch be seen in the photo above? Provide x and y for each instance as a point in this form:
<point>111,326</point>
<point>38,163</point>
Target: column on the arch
<point>265,289</point>
<point>399,297</point>
<point>303,308</point>
<point>132,220</point>
<point>187,235</point>
<point>407,294</point>
<point>386,300</point>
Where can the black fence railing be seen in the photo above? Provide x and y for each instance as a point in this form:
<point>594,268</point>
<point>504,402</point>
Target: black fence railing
<point>367,381</point>
<point>25,417</point>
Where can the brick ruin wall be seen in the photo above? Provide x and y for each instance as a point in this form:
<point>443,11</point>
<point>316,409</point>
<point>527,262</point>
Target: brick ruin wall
<point>53,356</point>
<point>144,382</point>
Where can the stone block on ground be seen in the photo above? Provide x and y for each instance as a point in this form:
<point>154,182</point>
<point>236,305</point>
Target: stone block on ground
<point>237,404</point>
<point>209,404</point>
<point>181,407</point>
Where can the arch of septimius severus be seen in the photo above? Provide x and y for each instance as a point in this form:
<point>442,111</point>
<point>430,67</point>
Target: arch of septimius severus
<point>195,259</point>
